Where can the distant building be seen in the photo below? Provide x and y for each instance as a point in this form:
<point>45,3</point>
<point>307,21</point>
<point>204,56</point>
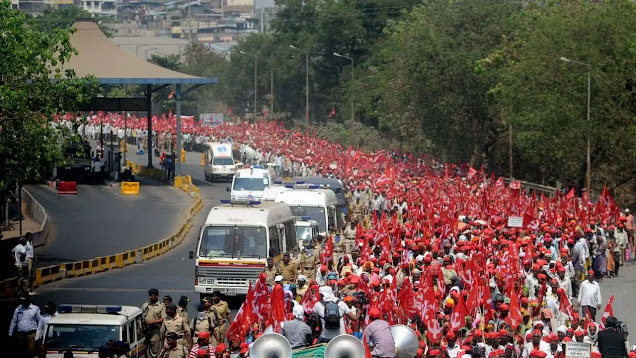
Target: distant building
<point>37,7</point>
<point>100,7</point>
<point>265,11</point>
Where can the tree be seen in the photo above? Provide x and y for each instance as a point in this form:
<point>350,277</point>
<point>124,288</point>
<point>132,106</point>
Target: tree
<point>64,18</point>
<point>546,99</point>
<point>34,88</point>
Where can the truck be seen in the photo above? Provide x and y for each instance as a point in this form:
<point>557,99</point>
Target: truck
<point>219,161</point>
<point>235,242</point>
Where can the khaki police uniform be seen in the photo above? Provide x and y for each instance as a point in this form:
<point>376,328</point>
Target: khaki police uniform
<point>289,272</point>
<point>153,312</point>
<point>223,311</point>
<point>308,265</point>
<point>183,313</point>
<point>179,351</point>
<point>204,325</point>
<point>177,325</point>
<point>271,274</point>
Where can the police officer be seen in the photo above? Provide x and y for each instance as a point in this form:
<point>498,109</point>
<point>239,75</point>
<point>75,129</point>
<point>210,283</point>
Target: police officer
<point>203,323</point>
<point>308,263</point>
<point>288,269</point>
<point>153,313</point>
<point>271,271</point>
<point>223,311</point>
<point>349,233</point>
<point>173,349</point>
<point>211,313</point>
<point>182,308</point>
<point>175,323</point>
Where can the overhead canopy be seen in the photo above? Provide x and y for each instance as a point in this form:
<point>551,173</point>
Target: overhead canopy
<point>102,58</point>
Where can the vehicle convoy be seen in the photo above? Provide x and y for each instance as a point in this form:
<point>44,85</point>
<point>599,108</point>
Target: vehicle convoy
<point>320,205</point>
<point>248,184</point>
<point>219,161</point>
<point>86,329</point>
<point>306,230</point>
<point>77,163</point>
<point>234,243</point>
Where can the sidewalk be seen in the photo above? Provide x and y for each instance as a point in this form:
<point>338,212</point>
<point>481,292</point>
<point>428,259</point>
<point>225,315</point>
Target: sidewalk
<point>28,224</point>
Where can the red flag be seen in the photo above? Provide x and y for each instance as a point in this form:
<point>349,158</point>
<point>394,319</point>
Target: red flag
<point>515,185</point>
<point>406,301</point>
<point>609,310</point>
<point>458,316</point>
<point>367,350</point>
<point>243,319</point>
<point>588,318</point>
<point>434,330</point>
<point>277,304</point>
<point>332,113</point>
<point>327,254</point>
<point>570,194</point>
<point>515,318</point>
<point>310,298</point>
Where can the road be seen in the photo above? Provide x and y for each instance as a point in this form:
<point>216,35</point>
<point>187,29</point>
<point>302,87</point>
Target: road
<point>172,274</point>
<point>99,221</point>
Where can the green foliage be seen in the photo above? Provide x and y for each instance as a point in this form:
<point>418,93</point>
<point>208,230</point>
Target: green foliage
<point>34,88</point>
<point>63,18</point>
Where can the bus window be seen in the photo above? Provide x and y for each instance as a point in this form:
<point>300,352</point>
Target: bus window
<point>290,235</point>
<point>275,246</point>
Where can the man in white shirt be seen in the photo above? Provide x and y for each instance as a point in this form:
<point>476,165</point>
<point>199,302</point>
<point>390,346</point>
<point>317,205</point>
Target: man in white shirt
<point>29,259</point>
<point>326,297</point>
<point>50,311</point>
<point>536,343</point>
<point>19,255</point>
<point>590,296</point>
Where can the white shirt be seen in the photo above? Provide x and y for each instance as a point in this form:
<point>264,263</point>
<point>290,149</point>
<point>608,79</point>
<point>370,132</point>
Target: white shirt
<point>590,294</point>
<point>452,352</point>
<point>319,309</point>
<point>528,347</point>
<point>19,254</point>
<point>29,250</point>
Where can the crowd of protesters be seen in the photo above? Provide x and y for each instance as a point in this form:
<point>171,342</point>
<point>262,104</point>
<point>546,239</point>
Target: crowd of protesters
<point>430,246</point>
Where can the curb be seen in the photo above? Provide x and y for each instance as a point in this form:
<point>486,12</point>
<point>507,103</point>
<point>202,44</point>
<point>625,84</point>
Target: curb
<point>45,275</point>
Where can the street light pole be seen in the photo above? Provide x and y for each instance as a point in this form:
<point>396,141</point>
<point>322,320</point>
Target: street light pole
<point>588,172</point>
<point>255,78</point>
<point>306,80</point>
<point>350,58</point>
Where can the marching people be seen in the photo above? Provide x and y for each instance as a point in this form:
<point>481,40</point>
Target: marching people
<point>174,323</point>
<point>297,332</point>
<point>590,296</point>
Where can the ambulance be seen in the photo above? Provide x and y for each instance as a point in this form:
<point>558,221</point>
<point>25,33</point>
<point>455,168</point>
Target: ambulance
<point>320,205</point>
<point>219,162</point>
<point>235,242</point>
<point>248,184</point>
<point>85,329</point>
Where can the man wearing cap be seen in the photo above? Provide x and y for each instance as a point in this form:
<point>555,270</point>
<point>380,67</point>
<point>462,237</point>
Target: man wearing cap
<point>327,296</point>
<point>223,313</point>
<point>378,333</point>
<point>173,349</point>
<point>182,308</point>
<point>203,323</point>
<point>175,323</point>
<point>288,269</point>
<point>537,343</point>
<point>590,296</point>
<point>349,233</point>
<point>297,332</point>
<point>153,313</point>
<point>203,343</point>
<point>564,281</point>
<point>25,326</point>
<point>271,271</point>
<point>308,262</point>
<point>301,286</point>
<point>451,345</point>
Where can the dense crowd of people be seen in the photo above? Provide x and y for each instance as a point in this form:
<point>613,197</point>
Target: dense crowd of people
<point>427,245</point>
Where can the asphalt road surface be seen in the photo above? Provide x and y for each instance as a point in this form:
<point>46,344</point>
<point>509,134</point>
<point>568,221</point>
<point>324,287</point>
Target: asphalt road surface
<point>99,221</point>
<point>172,273</point>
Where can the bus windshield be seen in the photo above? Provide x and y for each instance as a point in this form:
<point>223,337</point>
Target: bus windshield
<point>83,337</point>
<point>250,184</point>
<point>303,234</point>
<point>233,241</point>
<point>223,161</point>
<point>314,213</point>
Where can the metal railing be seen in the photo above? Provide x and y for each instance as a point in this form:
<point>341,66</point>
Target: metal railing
<point>36,210</point>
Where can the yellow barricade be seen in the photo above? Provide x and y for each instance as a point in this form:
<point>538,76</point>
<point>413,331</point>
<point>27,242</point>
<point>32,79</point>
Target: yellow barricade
<point>129,188</point>
<point>203,159</point>
<point>183,156</point>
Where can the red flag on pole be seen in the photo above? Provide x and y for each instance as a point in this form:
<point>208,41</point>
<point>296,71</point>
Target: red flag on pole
<point>609,310</point>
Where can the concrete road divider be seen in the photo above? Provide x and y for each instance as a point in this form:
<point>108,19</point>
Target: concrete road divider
<point>44,275</point>
<point>129,188</point>
<point>67,187</point>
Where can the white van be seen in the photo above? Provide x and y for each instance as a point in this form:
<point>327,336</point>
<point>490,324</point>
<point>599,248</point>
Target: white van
<point>219,163</point>
<point>249,183</point>
<point>235,242</point>
<point>270,192</point>
<point>83,329</point>
<point>316,204</point>
<point>306,230</point>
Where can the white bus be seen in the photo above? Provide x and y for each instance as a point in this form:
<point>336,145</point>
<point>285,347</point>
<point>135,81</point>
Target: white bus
<point>235,242</point>
<point>249,183</point>
<point>219,163</point>
<point>83,329</point>
<point>320,205</point>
